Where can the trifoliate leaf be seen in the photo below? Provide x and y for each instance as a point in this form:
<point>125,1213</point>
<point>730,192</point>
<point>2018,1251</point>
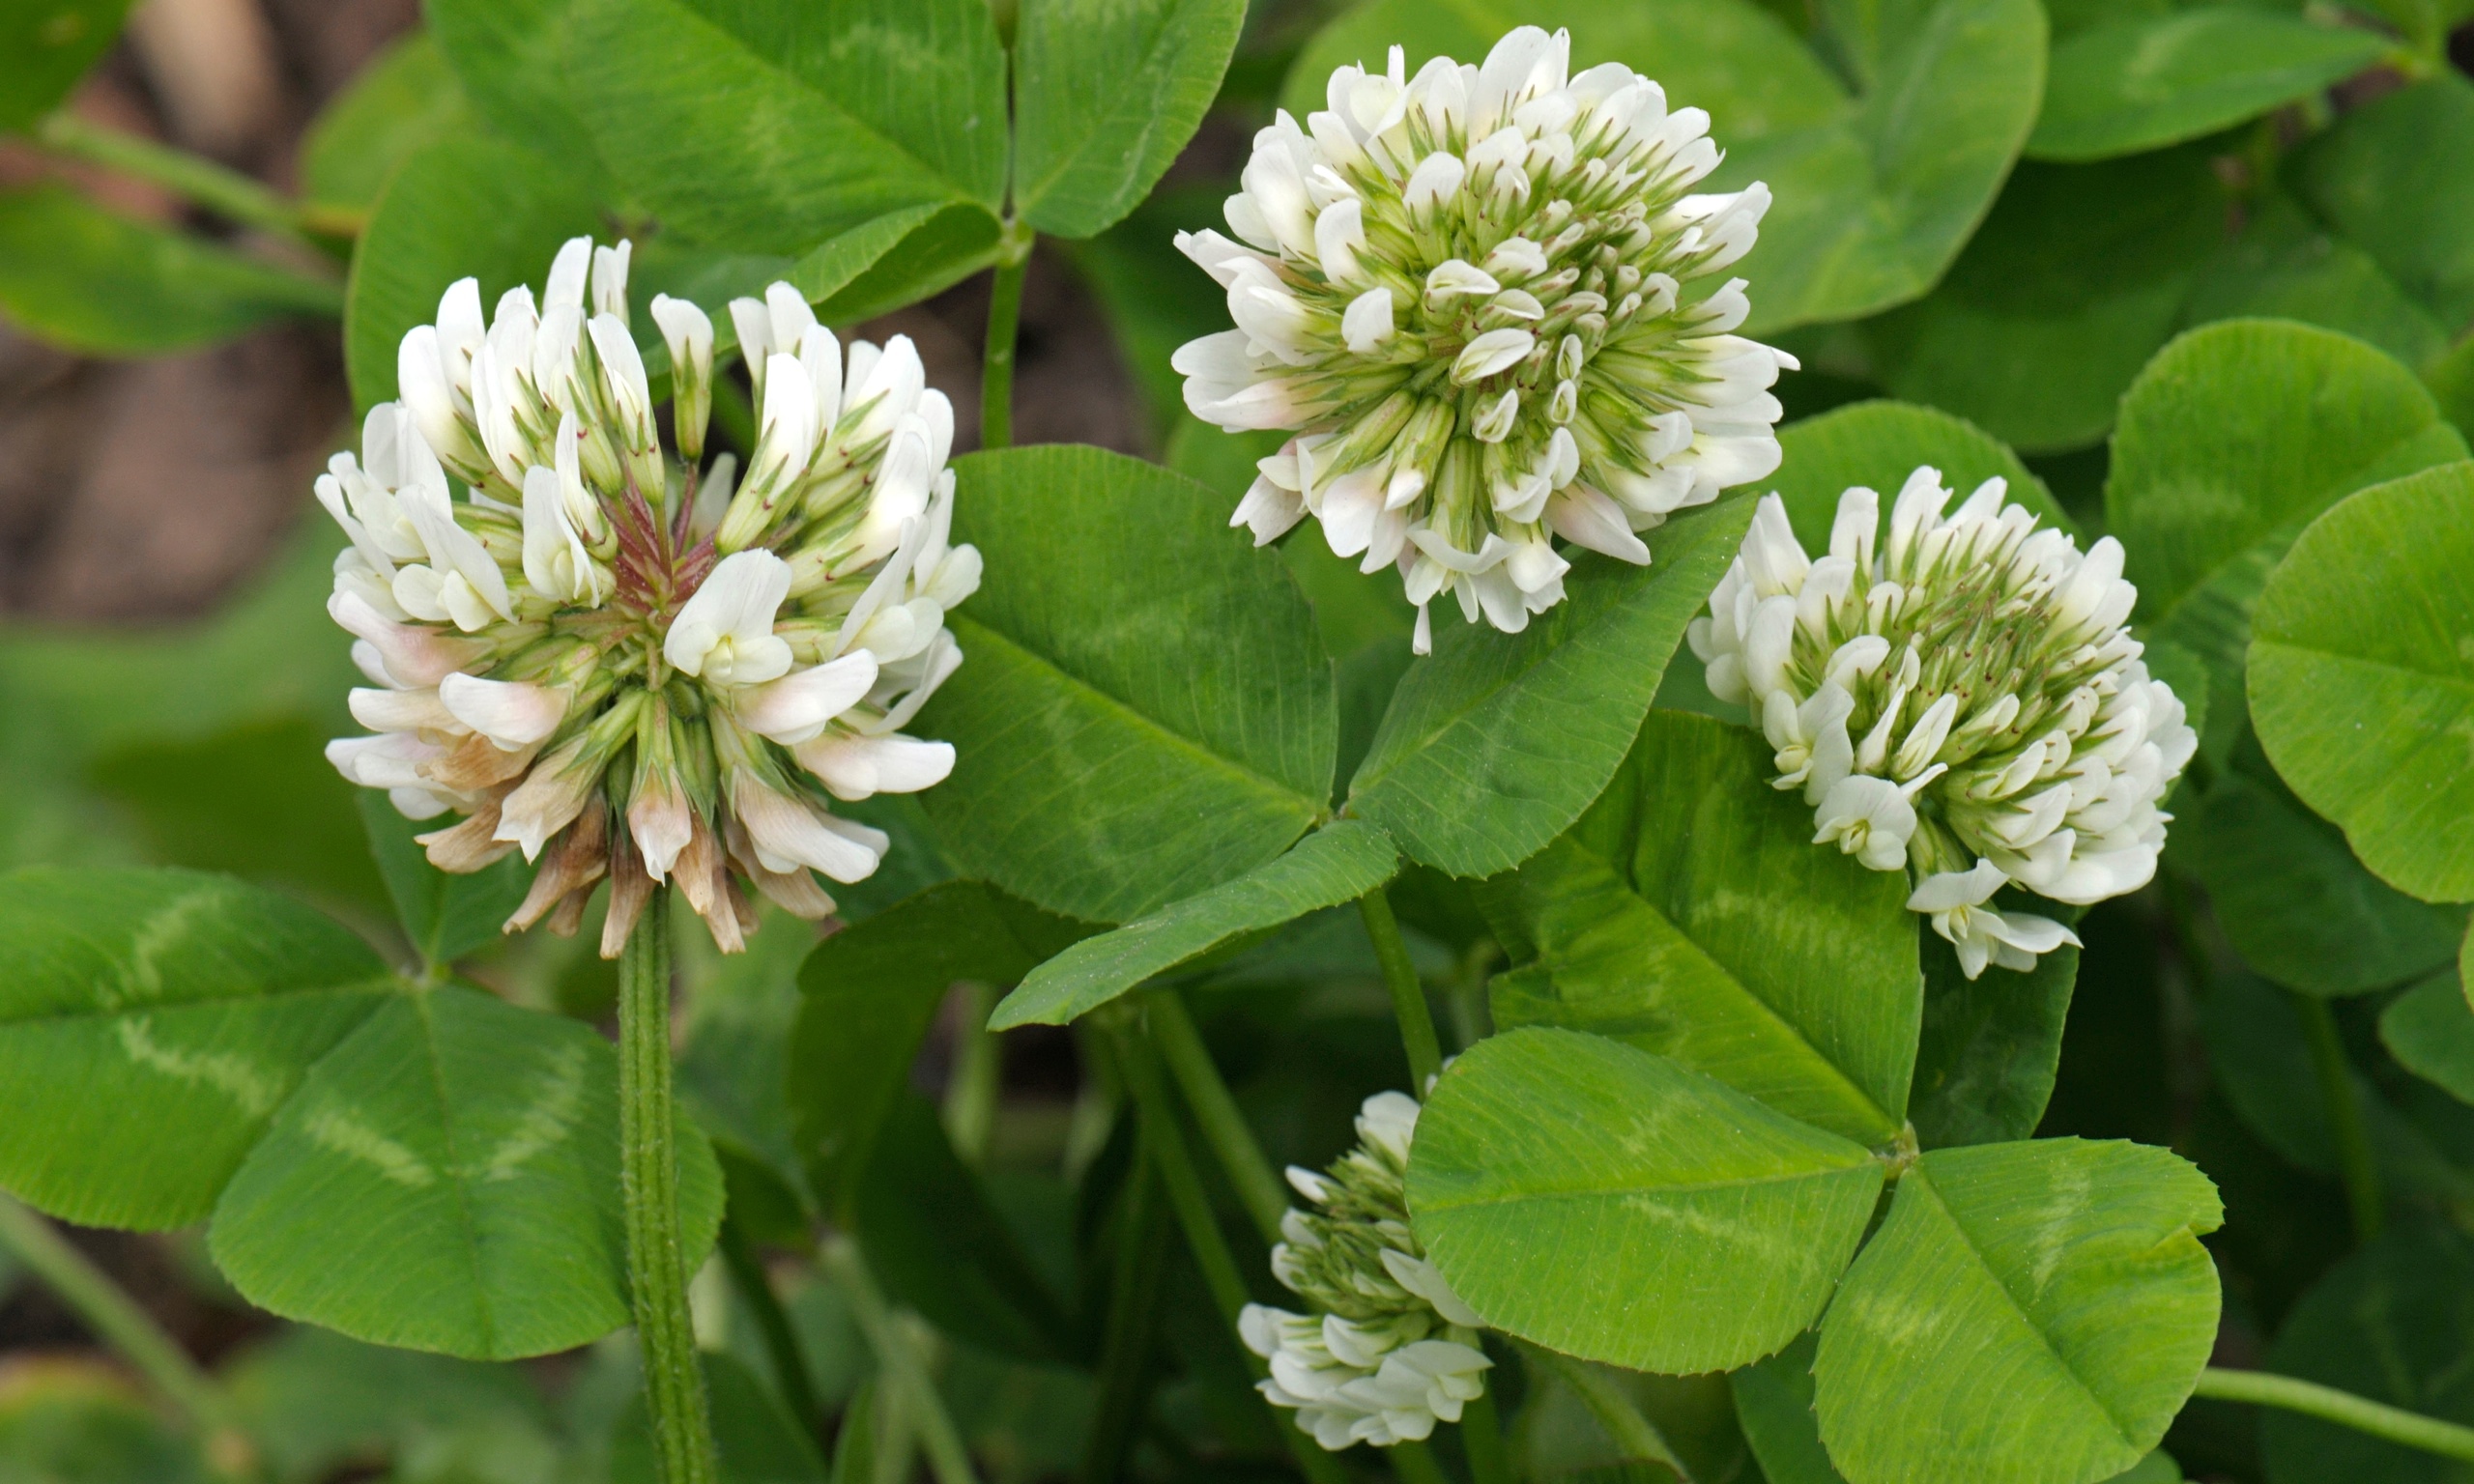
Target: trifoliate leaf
<point>1990,1047</point>
<point>405,97</point>
<point>2390,176</point>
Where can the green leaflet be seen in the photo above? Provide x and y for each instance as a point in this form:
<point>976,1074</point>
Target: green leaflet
<point>2431,1030</point>
<point>1618,1207</point>
<point>406,99</point>
<point>2232,441</point>
<point>1335,864</point>
<point>446,1179</point>
<point>2029,1314</point>
<point>2390,176</point>
<point>1690,914</point>
<point>1873,206</point>
<point>510,55</point>
<point>1878,445</point>
<point>2294,900</point>
<point>1495,743</point>
<point>2389,1323</point>
<point>868,994</point>
<point>1105,93</point>
<point>2074,281</point>
<point>462,207</point>
<point>1876,191</point>
<point>49,45</point>
<point>152,1022</point>
<point>768,128</point>
<point>2148,80</point>
<point>2364,698</point>
<point>89,280</point>
<point>1145,711</point>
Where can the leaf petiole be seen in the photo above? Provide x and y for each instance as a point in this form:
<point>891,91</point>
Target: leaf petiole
<point>2413,1430</point>
<point>1408,992</point>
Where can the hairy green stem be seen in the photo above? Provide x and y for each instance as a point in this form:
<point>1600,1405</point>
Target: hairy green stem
<point>1005,319</point>
<point>224,191</point>
<point>116,1319</point>
<point>972,1091</point>
<point>1408,993</point>
<point>1133,1322</point>
<point>773,1325</point>
<point>1216,1113</point>
<point>2397,1425</point>
<point>648,1184</point>
<point>905,1368</point>
<point>1183,1183</point>
<point>2356,1162</point>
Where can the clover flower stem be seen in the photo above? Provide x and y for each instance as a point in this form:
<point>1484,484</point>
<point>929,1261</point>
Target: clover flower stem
<point>1004,317</point>
<point>648,1184</point>
<point>2309,1399</point>
<point>224,191</point>
<point>905,1368</point>
<point>116,1319</point>
<point>1413,1463</point>
<point>1223,1127</point>
<point>972,1091</point>
<point>1636,1438</point>
<point>1174,1161</point>
<point>1482,1438</point>
<point>773,1326</point>
<point>1126,1371</point>
<point>1408,992</point>
<point>2355,1161</point>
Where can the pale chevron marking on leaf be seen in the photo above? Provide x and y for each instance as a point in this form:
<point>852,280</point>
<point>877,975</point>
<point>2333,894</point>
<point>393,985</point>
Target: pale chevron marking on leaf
<point>236,1076</point>
<point>140,981</point>
<point>548,1122</point>
<point>341,1130</point>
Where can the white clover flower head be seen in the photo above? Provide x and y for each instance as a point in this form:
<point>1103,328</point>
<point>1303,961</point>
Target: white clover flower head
<point>1961,699</point>
<point>1386,1350</point>
<point>1469,293</point>
<point>608,657</point>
